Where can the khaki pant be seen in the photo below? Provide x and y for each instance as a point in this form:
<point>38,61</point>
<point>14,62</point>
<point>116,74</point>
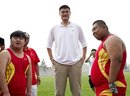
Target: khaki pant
<point>73,72</point>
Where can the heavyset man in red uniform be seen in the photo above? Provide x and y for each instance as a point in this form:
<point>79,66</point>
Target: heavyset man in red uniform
<point>15,68</point>
<point>107,70</point>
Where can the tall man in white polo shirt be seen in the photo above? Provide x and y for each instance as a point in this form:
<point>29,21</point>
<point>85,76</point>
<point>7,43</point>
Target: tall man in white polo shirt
<point>69,56</point>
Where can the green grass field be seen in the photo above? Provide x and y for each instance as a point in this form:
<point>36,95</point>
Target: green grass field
<point>46,87</point>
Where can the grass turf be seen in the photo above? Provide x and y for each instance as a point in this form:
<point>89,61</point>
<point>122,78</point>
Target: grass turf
<point>46,88</point>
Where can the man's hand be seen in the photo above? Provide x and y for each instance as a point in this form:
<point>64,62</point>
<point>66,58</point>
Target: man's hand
<point>113,88</point>
<point>38,80</point>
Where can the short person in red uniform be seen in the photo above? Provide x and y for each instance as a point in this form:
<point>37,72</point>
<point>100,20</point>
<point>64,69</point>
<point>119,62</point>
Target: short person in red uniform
<point>107,70</point>
<point>34,62</point>
<point>15,68</point>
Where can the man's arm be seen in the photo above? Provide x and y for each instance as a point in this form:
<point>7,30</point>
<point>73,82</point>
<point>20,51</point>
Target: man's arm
<point>4,60</point>
<point>114,48</point>
<point>84,53</point>
<point>49,50</point>
<point>29,78</point>
<point>37,60</point>
<point>88,57</point>
<point>38,75</point>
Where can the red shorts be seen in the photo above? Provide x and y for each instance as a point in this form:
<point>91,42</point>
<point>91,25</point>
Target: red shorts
<point>104,90</point>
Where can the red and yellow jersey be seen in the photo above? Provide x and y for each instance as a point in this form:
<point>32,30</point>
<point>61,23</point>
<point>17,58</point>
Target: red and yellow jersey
<point>34,60</point>
<point>100,70</point>
<point>16,75</point>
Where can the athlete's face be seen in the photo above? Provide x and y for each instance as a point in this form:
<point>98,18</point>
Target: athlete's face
<point>17,42</point>
<point>65,14</point>
<point>98,31</point>
<point>93,53</point>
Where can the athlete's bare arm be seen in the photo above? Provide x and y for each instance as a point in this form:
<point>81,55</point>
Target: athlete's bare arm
<point>4,60</point>
<point>114,48</point>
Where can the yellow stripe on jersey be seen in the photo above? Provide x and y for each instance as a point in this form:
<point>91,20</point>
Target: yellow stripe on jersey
<point>10,70</point>
<point>103,59</point>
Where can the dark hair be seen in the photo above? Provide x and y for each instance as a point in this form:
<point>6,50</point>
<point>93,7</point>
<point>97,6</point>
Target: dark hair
<point>93,50</point>
<point>2,41</point>
<point>18,33</point>
<point>64,7</point>
<point>101,23</point>
<point>27,35</point>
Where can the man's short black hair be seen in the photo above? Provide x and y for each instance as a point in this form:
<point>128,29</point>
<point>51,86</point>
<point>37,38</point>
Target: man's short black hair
<point>2,41</point>
<point>100,22</point>
<point>27,35</point>
<point>64,7</point>
<point>18,33</point>
<point>93,50</point>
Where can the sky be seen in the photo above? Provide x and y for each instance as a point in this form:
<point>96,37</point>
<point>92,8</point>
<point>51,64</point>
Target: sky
<point>37,17</point>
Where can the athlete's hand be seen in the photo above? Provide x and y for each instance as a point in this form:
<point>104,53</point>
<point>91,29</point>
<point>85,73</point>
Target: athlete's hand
<point>28,94</point>
<point>113,88</point>
<point>38,80</point>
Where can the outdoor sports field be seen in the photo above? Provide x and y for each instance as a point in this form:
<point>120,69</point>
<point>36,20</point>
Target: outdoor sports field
<point>46,87</point>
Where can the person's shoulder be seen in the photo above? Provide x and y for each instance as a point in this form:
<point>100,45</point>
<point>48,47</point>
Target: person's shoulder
<point>114,37</point>
<point>30,48</point>
<point>4,53</point>
<point>74,24</point>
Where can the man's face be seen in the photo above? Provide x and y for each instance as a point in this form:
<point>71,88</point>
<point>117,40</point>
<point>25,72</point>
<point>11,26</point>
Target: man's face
<point>17,42</point>
<point>98,31</point>
<point>65,14</point>
<point>93,53</point>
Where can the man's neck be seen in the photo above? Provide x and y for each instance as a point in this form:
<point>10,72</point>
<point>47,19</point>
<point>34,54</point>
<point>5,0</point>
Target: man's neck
<point>17,52</point>
<point>65,23</point>
<point>106,36</point>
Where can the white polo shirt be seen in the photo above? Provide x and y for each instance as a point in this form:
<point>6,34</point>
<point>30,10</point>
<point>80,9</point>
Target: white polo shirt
<point>67,41</point>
